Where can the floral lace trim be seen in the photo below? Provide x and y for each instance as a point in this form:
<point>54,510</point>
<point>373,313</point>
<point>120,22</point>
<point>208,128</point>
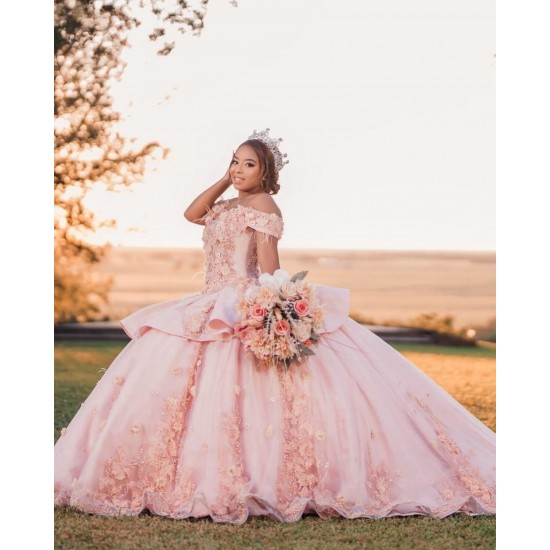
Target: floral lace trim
<point>465,477</point>
<point>223,226</point>
<point>267,222</point>
<point>230,502</point>
<point>298,474</point>
<point>239,283</point>
<point>127,480</point>
<point>195,321</point>
<point>216,207</point>
<point>379,499</point>
<point>378,482</point>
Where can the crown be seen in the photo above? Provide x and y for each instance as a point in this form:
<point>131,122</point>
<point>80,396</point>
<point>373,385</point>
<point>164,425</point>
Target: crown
<point>273,144</point>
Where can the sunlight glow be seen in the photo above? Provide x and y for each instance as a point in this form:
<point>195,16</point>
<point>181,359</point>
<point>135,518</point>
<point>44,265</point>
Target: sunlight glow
<point>389,126</point>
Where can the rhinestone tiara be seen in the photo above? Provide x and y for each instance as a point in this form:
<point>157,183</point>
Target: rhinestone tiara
<point>273,144</point>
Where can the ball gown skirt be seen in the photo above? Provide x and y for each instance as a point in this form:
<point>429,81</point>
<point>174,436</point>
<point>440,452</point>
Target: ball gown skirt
<point>186,423</point>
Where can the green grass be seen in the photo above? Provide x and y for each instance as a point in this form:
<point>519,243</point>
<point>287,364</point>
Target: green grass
<point>76,530</point>
<point>469,351</point>
<point>77,369</point>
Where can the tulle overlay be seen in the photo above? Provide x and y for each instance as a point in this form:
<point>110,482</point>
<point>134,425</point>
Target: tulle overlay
<point>186,423</point>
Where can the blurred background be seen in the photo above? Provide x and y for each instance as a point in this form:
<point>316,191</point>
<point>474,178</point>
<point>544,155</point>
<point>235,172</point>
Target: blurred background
<point>387,114</point>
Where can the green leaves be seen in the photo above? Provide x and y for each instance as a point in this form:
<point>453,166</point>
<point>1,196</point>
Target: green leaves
<point>304,350</point>
<point>299,276</point>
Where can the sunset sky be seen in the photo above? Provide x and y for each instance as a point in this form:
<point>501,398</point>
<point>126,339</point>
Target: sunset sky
<point>386,110</point>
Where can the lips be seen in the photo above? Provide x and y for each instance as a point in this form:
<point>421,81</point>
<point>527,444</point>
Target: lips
<point>238,180</point>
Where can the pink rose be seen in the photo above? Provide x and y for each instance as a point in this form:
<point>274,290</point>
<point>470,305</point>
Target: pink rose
<point>258,312</point>
<point>282,327</point>
<point>301,307</point>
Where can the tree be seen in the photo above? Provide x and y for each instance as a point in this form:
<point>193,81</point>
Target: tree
<point>89,37</point>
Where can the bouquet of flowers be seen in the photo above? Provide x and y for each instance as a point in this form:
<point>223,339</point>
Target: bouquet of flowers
<point>279,318</point>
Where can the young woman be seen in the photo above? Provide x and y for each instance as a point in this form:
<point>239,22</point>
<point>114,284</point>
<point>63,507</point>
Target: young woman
<point>187,422</point>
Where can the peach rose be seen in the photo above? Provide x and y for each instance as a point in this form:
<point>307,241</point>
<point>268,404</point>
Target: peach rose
<point>282,327</point>
<point>258,312</point>
<point>301,307</point>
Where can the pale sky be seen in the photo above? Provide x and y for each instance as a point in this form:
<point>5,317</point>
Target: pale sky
<point>386,110</point>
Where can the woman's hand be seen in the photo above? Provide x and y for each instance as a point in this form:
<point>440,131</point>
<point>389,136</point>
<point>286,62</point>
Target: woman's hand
<point>199,207</point>
<point>226,180</point>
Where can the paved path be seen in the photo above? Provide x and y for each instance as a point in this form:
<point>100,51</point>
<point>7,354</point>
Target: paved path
<point>111,330</point>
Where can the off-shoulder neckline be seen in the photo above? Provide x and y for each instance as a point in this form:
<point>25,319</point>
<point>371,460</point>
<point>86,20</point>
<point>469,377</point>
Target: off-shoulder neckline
<point>261,211</point>
<point>252,208</point>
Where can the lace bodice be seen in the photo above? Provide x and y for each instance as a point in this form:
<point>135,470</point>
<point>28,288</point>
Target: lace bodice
<point>230,235</point>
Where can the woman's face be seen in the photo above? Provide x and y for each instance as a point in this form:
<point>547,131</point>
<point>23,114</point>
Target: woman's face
<point>245,169</point>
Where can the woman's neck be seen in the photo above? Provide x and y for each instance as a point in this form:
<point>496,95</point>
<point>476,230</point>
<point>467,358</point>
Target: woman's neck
<point>247,196</point>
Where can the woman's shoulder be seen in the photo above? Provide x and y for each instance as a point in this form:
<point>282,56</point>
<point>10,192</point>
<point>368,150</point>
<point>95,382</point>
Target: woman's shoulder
<point>264,215</point>
<point>266,203</point>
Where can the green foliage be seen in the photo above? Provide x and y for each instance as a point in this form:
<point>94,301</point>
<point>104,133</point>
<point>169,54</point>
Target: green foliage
<point>487,331</point>
<point>78,291</point>
<point>298,276</point>
<point>435,321</point>
<point>89,38</point>
<point>443,325</point>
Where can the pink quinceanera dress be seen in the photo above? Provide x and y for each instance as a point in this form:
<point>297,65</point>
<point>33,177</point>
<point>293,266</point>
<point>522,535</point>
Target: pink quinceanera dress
<point>186,423</point>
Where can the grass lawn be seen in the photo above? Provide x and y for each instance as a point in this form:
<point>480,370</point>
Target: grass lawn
<point>467,373</point>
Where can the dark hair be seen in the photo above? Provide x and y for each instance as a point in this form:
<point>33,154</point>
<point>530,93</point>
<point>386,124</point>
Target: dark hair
<point>269,176</point>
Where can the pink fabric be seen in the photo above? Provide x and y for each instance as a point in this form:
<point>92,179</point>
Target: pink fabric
<point>185,423</point>
<point>178,317</point>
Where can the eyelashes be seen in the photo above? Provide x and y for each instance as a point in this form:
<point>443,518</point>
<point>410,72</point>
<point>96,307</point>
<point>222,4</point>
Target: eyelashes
<point>247,164</point>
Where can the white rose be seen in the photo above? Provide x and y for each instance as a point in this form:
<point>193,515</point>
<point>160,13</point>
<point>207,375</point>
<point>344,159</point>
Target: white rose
<point>266,279</point>
<point>281,276</point>
<point>302,331</point>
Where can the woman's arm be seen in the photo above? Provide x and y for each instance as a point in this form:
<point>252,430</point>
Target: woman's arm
<point>200,206</point>
<point>268,254</point>
<point>266,243</point>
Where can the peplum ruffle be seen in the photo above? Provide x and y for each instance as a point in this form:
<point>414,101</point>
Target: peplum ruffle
<point>213,316</point>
